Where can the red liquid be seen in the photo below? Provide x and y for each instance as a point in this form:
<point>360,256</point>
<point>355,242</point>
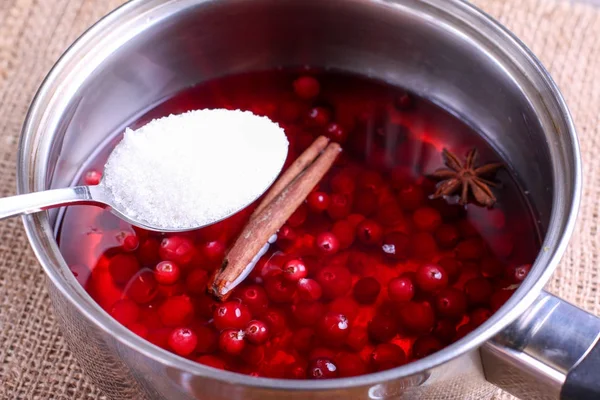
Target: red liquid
<point>374,305</point>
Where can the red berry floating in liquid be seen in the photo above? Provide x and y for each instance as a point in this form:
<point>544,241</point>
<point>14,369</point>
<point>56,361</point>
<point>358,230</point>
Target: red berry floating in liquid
<point>322,368</point>
<point>183,341</point>
<point>257,332</point>
<point>231,315</point>
<point>366,290</point>
<point>306,87</point>
<point>431,277</point>
<point>167,272</point>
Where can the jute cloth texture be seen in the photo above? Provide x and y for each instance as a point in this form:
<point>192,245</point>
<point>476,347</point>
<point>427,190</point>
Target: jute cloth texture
<point>35,362</point>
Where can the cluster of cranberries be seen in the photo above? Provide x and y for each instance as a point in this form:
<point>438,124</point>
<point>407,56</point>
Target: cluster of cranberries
<point>366,275</point>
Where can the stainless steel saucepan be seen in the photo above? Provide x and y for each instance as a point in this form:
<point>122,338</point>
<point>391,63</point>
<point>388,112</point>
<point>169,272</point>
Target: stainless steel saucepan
<point>536,346</point>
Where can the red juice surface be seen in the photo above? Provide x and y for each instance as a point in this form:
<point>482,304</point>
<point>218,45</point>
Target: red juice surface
<point>368,274</point>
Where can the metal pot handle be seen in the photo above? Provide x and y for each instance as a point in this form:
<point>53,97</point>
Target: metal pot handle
<point>552,351</point>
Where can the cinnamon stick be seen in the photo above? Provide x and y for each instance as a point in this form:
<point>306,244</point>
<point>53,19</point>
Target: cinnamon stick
<point>300,164</point>
<point>267,222</point>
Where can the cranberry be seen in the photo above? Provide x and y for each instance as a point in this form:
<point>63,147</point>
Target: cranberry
<point>382,328</point>
<point>499,298</point>
<point>339,207</point>
<point>327,243</point>
<point>286,234</point>
<point>335,281</point>
<point>270,265</point>
<point>231,341</point>
<point>401,289</point>
<point>447,236</point>
<point>307,313</point>
<point>295,371</point>
<point>309,289</point>
<point>452,267</point>
<point>298,217</point>
<point>423,245</point>
<point>355,219</point>
<point>183,341</point>
<point>411,197</point>
<point>231,315</point>
<point>345,232</point>
<point>318,201</point>
<point>303,339</point>
<point>365,202</point>
<point>501,245</point>
<point>350,365</point>
<point>425,346</point>
<point>451,303</point>
<point>205,306</point>
<point>491,267</point>
<point>416,317</point>
<point>176,311</point>
<point>176,289</point>
<point>390,215</point>
<point>196,281</point>
<point>427,219</point>
<point>275,320</point>
<point>431,277</point>
<point>255,298</point>
<point>342,183</point>
<point>478,291</point>
<point>518,273</point>
<point>123,267</point>
<point>92,177</point>
<point>333,328</point>
<point>479,316</point>
<point>306,87</point>
<point>387,355</point>
<point>253,355</point>
<point>142,288</point>
<point>167,272</point>
<point>148,252</point>
<point>366,290</point>
<point>357,338</point>
<point>320,352</point>
<point>318,117</point>
<point>213,251</point>
<point>280,290</point>
<point>125,311</point>
<point>344,305</point>
<point>128,240</point>
<point>322,368</point>
<point>139,329</point>
<point>369,232</point>
<point>336,133</point>
<point>176,248</point>
<point>211,361</point>
<point>444,330</point>
<point>470,249</point>
<point>294,270</point>
<point>396,245</point>
<point>257,332</point>
<point>208,339</point>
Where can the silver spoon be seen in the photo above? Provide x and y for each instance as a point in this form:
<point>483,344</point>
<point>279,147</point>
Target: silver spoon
<point>96,195</point>
<point>99,195</point>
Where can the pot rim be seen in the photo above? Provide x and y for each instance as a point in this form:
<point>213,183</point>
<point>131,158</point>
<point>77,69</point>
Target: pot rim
<point>38,226</point>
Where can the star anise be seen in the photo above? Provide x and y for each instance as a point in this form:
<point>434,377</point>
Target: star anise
<point>465,177</point>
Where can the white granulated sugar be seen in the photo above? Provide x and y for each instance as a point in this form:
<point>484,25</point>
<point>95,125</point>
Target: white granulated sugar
<point>191,169</point>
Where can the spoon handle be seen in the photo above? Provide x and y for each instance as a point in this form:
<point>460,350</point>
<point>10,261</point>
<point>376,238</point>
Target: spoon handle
<point>39,201</point>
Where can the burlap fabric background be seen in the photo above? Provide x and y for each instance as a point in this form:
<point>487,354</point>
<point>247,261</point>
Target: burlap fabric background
<point>34,360</point>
